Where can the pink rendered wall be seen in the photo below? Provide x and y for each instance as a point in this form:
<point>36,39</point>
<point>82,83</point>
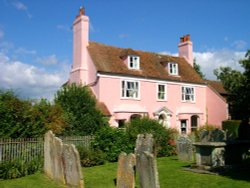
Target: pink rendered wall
<point>110,93</point>
<point>79,69</point>
<point>186,51</point>
<point>216,108</point>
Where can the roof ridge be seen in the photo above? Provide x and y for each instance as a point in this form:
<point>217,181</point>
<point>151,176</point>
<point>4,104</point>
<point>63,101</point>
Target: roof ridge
<point>140,51</point>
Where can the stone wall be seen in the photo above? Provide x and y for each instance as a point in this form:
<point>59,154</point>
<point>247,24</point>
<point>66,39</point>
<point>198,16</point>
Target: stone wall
<point>62,161</point>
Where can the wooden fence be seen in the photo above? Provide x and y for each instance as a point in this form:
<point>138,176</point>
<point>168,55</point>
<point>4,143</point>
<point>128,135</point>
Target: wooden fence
<point>30,148</point>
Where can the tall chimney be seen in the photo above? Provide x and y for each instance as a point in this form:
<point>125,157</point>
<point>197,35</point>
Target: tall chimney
<point>186,49</point>
<point>79,68</point>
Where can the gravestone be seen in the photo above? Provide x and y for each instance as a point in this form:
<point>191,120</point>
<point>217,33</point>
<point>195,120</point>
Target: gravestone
<point>72,166</point>
<point>126,171</point>
<point>146,165</point>
<point>62,161</point>
<point>53,166</point>
<point>147,169</point>
<point>144,142</point>
<point>184,148</point>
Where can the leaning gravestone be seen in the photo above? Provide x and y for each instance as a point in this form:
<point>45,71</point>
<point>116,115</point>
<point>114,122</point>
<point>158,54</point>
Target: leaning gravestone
<point>72,166</point>
<point>126,171</point>
<point>146,165</point>
<point>53,166</point>
<point>62,162</point>
<point>184,148</point>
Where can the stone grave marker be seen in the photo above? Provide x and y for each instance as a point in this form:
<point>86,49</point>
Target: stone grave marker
<point>146,165</point>
<point>184,148</point>
<point>126,171</point>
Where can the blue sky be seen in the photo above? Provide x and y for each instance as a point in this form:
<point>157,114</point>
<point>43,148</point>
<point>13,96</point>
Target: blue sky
<point>36,36</point>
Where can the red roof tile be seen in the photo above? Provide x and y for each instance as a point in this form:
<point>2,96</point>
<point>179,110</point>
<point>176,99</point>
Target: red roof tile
<point>107,59</point>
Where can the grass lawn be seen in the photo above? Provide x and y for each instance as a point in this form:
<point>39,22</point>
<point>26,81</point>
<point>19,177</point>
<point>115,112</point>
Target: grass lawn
<point>171,175</point>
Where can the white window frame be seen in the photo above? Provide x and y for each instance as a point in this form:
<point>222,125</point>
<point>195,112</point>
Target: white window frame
<point>173,68</point>
<point>133,62</point>
<point>184,94</point>
<point>124,90</point>
<point>158,92</point>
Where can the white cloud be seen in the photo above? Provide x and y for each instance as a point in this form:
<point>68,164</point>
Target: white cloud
<point>19,5</point>
<point>24,51</point>
<point>239,44</point>
<point>63,27</point>
<point>28,80</point>
<point>122,36</point>
<point>22,7</point>
<point>211,60</point>
<point>49,60</point>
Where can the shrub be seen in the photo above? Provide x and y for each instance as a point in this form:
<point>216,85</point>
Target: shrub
<point>89,157</point>
<point>19,168</point>
<point>232,127</point>
<point>163,137</point>
<point>112,142</point>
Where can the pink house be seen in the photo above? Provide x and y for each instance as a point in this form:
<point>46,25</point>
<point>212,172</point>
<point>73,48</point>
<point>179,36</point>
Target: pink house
<point>133,83</point>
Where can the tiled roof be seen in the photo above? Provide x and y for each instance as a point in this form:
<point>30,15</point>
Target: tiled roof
<point>107,59</point>
<point>217,85</point>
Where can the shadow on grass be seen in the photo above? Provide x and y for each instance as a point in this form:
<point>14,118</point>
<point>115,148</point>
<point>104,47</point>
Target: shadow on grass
<point>237,173</point>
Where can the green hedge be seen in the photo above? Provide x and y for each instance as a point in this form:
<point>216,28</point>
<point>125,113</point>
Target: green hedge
<point>231,126</point>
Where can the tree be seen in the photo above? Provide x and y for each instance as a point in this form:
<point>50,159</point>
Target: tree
<point>197,68</point>
<point>24,118</point>
<point>79,106</point>
<point>237,84</point>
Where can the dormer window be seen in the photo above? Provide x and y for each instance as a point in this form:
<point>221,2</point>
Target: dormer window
<point>173,68</point>
<point>133,62</point>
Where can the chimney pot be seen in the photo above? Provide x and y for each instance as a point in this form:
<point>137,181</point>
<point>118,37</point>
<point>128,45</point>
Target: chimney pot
<point>81,11</point>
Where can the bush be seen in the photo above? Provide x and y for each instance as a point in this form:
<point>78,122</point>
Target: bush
<point>112,142</point>
<point>25,119</point>
<point>19,168</point>
<point>164,145</point>
<point>89,157</point>
<point>232,127</point>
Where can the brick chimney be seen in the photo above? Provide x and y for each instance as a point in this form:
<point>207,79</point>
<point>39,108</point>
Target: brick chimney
<point>186,49</point>
<point>79,68</point>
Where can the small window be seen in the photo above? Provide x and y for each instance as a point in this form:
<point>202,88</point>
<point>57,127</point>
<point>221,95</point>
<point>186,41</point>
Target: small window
<point>194,123</point>
<point>133,62</point>
<point>130,89</point>
<point>173,68</point>
<point>183,126</point>
<point>161,92</point>
<point>121,123</point>
<point>187,94</point>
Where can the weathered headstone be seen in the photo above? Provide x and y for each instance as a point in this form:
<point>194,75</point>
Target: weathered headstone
<point>146,165</point>
<point>62,162</point>
<point>53,166</point>
<point>184,148</point>
<point>72,166</point>
<point>144,142</point>
<point>147,169</point>
<point>126,171</point>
